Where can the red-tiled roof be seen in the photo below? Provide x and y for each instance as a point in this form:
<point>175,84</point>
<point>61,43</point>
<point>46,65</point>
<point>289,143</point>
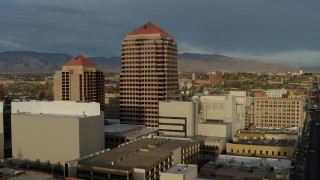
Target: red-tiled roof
<point>79,61</point>
<point>149,28</point>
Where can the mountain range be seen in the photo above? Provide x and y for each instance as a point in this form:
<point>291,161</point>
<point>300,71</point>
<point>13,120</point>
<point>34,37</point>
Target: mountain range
<point>35,62</point>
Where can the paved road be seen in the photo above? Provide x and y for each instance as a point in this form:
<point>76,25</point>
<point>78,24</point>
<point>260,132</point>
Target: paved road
<point>313,150</point>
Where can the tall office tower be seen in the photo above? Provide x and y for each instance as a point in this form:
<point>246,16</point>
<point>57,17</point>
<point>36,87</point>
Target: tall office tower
<point>148,74</point>
<point>79,80</point>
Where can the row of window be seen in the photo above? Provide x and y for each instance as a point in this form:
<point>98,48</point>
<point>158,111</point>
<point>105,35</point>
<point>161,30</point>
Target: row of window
<point>277,102</point>
<point>261,152</point>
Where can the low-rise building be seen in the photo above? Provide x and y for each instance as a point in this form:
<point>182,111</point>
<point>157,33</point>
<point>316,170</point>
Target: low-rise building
<point>57,131</point>
<point>239,167</point>
<point>142,159</point>
<point>180,172</point>
<point>211,146</point>
<point>116,134</point>
<point>269,133</point>
<point>272,148</point>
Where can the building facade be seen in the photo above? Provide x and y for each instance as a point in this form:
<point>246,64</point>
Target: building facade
<point>281,148</point>
<point>148,74</point>
<point>56,132</point>
<point>142,159</point>
<point>178,118</point>
<point>279,112</point>
<point>79,80</point>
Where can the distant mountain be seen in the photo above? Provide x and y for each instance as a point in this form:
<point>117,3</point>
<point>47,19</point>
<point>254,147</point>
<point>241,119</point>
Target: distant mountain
<point>310,69</point>
<point>205,63</point>
<point>34,62</point>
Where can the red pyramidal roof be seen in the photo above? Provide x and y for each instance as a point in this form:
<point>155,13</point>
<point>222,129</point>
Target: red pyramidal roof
<point>149,28</point>
<point>79,61</point>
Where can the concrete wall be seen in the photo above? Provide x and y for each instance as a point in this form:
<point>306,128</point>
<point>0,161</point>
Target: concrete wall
<point>174,115</point>
<point>220,108</point>
<point>54,138</point>
<point>215,130</point>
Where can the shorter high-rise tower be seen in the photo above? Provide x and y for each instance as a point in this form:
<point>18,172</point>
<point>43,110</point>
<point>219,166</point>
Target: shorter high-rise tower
<point>79,80</point>
<point>148,74</point>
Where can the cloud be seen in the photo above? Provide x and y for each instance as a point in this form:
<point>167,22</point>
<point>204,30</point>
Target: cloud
<point>9,45</point>
<point>57,8</point>
<point>272,30</point>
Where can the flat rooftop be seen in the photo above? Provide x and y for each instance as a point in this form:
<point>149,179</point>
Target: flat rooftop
<point>246,167</point>
<point>52,115</point>
<point>181,169</point>
<point>267,142</point>
<point>128,130</point>
<point>284,132</point>
<point>142,153</point>
<point>119,128</point>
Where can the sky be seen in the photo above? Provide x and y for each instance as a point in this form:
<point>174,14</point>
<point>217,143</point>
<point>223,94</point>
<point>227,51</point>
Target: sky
<point>282,31</point>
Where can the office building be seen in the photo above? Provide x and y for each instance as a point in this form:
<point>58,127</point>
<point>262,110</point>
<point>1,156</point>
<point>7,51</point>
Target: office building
<point>215,79</point>
<point>79,80</point>
<point>148,74</point>
<point>178,118</point>
<point>142,159</point>
<point>279,112</point>
<point>56,131</point>
<point>239,167</point>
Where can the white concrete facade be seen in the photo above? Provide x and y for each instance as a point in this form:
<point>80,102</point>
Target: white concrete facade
<point>241,100</point>
<point>56,131</point>
<point>219,109</point>
<point>178,118</point>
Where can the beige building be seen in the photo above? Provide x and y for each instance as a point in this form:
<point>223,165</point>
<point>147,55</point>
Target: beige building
<point>178,118</point>
<point>272,148</point>
<point>148,74</point>
<point>279,112</point>
<point>55,131</point>
<point>180,172</point>
<point>142,159</point>
<point>79,80</point>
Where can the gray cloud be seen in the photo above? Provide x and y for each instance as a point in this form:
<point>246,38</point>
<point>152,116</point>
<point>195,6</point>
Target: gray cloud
<point>269,30</point>
<point>57,8</point>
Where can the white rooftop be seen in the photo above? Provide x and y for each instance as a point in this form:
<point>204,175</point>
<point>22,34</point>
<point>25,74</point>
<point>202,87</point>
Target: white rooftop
<point>253,161</point>
<point>69,108</point>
